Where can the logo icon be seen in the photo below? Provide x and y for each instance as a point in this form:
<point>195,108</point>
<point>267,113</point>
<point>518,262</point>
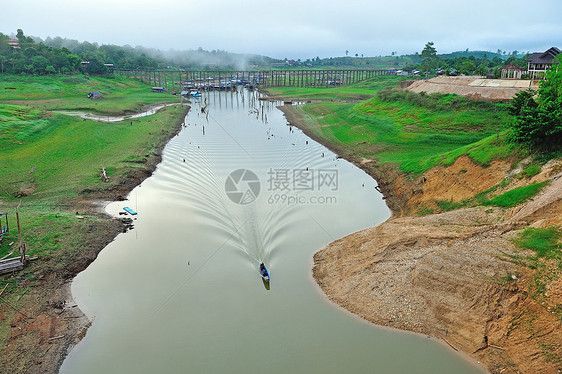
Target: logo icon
<point>242,186</point>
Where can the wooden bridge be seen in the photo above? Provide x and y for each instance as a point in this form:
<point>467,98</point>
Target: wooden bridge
<point>178,80</point>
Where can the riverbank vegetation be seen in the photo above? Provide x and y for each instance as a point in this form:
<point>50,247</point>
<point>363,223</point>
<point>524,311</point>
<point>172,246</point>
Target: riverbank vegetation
<point>121,96</point>
<point>537,123</point>
<point>51,166</point>
<point>41,148</point>
<point>413,131</point>
<point>356,92</point>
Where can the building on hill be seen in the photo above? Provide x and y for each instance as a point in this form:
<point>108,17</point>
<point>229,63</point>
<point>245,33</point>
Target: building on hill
<point>511,72</point>
<point>14,43</point>
<point>538,63</point>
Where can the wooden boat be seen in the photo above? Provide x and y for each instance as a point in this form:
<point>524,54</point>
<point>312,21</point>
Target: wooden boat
<point>129,210</point>
<point>264,273</point>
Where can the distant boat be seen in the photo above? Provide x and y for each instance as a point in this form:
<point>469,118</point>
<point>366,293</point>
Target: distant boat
<point>264,273</point>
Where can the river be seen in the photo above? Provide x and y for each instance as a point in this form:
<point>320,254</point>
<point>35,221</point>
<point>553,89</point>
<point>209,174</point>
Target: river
<point>181,292</point>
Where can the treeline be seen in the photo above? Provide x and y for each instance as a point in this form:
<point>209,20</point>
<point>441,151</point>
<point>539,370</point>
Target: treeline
<point>472,65</point>
<point>127,57</point>
<point>29,56</point>
<point>64,56</point>
<point>466,63</point>
<point>201,59</point>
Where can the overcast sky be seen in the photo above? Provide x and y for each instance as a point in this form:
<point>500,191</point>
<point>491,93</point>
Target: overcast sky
<point>295,28</point>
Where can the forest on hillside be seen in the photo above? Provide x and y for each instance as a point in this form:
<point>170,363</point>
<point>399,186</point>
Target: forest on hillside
<point>21,54</point>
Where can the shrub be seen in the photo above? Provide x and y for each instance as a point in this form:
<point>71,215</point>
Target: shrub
<point>449,205</point>
<point>531,170</point>
<point>545,242</point>
<point>516,196</point>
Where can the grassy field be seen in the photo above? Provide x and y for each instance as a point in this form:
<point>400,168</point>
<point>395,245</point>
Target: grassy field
<point>357,92</point>
<point>48,158</point>
<point>41,148</point>
<point>415,136</point>
<point>121,95</point>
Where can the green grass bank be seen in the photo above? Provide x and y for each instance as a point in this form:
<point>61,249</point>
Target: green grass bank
<point>414,132</point>
<point>50,165</point>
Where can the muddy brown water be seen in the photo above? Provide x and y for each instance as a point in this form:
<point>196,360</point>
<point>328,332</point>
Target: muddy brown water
<point>181,292</point>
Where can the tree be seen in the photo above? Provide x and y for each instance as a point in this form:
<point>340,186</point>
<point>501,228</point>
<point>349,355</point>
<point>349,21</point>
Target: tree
<point>22,38</point>
<point>95,65</point>
<point>467,67</point>
<point>537,123</point>
<point>39,64</point>
<point>429,56</point>
<point>429,51</point>
<point>2,62</point>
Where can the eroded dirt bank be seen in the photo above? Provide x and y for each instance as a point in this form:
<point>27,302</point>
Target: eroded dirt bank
<point>453,275</point>
<point>47,324</point>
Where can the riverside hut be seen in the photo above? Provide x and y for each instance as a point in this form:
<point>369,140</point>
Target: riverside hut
<point>511,72</point>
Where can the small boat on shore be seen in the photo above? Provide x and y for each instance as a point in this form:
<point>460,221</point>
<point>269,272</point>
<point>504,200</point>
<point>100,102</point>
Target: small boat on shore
<point>264,273</point>
<point>130,211</point>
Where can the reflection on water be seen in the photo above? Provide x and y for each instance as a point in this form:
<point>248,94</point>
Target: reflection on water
<point>182,291</point>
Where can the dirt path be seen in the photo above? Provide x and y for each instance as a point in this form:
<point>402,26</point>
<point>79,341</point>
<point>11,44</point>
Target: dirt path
<point>451,275</point>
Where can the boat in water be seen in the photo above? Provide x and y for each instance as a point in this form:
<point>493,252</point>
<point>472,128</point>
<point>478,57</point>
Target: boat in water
<point>264,273</point>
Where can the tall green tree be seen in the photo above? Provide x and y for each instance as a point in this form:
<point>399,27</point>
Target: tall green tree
<point>537,121</point>
<point>429,56</point>
<point>429,51</point>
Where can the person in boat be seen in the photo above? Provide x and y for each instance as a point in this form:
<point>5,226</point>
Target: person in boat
<point>262,269</point>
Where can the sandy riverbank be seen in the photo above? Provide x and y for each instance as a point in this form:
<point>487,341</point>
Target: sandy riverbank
<point>450,275</point>
<point>48,322</point>
<point>478,88</point>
